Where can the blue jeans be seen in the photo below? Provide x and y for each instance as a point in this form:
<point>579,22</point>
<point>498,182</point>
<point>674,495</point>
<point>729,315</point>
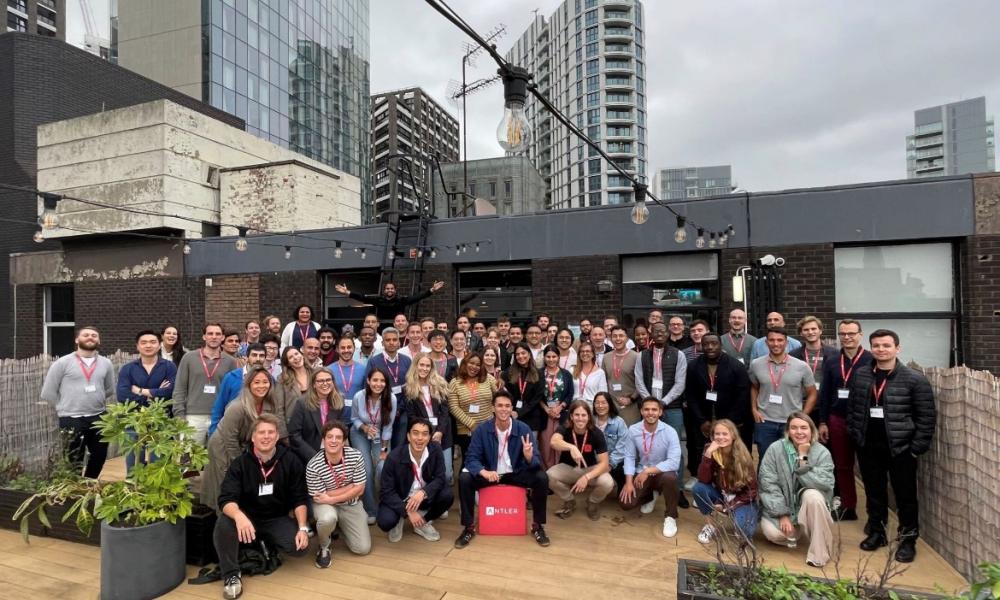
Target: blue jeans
<point>765,434</point>
<point>139,455</point>
<point>399,427</point>
<point>747,516</point>
<point>448,466</point>
<point>675,418</point>
<point>370,451</point>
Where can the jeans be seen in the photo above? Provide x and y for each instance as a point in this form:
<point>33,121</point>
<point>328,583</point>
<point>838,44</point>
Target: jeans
<point>879,468</point>
<point>675,418</point>
<point>370,452</point>
<point>84,436</point>
<point>746,516</point>
<point>765,434</point>
<point>399,427</point>
<point>140,454</point>
<point>842,449</point>
<point>449,467</point>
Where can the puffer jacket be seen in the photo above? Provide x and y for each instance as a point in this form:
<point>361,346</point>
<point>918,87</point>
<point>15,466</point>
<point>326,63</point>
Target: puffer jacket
<point>910,414</point>
<point>779,486</point>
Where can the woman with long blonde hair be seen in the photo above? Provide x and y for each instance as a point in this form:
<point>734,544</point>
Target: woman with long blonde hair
<point>426,394</point>
<point>727,481</point>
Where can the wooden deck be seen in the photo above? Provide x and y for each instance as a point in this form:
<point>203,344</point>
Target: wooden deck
<point>623,553</point>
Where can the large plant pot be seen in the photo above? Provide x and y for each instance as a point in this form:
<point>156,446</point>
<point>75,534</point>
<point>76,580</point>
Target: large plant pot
<point>139,563</point>
<point>10,501</point>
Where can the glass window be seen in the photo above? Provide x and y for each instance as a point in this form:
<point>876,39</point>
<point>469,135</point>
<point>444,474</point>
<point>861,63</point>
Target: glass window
<point>593,66</point>
<point>903,278</point>
<point>508,186</point>
<point>60,317</point>
<point>923,341</point>
<point>496,290</point>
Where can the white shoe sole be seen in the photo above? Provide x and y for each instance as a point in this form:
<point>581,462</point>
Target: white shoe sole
<point>427,535</point>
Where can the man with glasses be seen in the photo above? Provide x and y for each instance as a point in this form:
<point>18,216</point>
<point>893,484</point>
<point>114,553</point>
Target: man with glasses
<point>677,337</point>
<point>271,347</point>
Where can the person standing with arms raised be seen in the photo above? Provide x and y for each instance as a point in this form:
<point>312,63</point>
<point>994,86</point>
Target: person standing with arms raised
<point>388,304</point>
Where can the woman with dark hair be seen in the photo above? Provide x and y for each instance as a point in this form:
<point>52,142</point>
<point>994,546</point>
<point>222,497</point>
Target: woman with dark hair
<point>373,412</point>
<point>524,383</point>
<point>583,463</point>
<point>300,329</point>
<point>615,434</point>
<point>640,335</point>
<point>470,398</point>
<point>491,363</point>
<point>567,354</point>
<point>292,383</point>
<point>321,405</point>
<point>558,393</point>
<point>588,376</point>
<point>171,347</point>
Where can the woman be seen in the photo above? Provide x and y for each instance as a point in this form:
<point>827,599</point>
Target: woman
<point>234,430</point>
<point>459,345</point>
<point>727,482</point>
<point>492,340</point>
<point>322,404</point>
<point>796,487</point>
<point>372,414</point>
<point>583,463</point>
<point>615,430</point>
<point>470,398</point>
<point>640,335</point>
<point>567,354</point>
<point>558,392</point>
<point>588,376</point>
<point>293,381</point>
<point>300,329</point>
<point>524,383</point>
<point>491,363</point>
<point>171,347</point>
<point>426,394</point>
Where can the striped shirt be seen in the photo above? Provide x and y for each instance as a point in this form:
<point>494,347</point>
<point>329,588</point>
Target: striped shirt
<point>321,476</point>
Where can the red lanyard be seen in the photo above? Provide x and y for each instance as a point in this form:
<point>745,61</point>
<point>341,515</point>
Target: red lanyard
<point>416,474</point>
<point>657,360</point>
<point>338,478</point>
<point>260,407</point>
<point>444,366</point>
<point>711,382</point>
<point>616,365</point>
<point>845,376</point>
<point>264,473</point>
<point>816,359</point>
<point>564,362</point>
<point>743,340</point>
<point>394,374</point>
<point>373,417</point>
<point>346,382</point>
<point>521,385</point>
<point>586,376</point>
<point>647,449</point>
<point>583,446</point>
<point>427,401</point>
<point>304,331</point>
<point>878,390</point>
<point>88,373</point>
<point>204,365</point>
<point>503,444</point>
<point>776,383</point>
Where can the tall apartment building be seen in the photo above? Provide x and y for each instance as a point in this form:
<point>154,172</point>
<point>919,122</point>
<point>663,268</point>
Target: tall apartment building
<point>589,59</point>
<point>951,139</point>
<point>678,183</point>
<point>44,17</point>
<point>408,121</point>
<point>296,72</point>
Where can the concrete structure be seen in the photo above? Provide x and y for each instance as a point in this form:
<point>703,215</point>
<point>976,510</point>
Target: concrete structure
<point>951,139</point>
<point>296,72</point>
<point>510,184</point>
<point>589,59</point>
<point>408,121</point>
<point>43,17</point>
<point>167,159</point>
<point>679,183</point>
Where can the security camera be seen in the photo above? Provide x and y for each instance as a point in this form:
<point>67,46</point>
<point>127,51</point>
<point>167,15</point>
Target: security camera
<point>767,260</point>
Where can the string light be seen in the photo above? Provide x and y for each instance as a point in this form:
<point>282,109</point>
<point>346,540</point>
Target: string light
<point>39,237</point>
<point>338,252</point>
<point>363,254</point>
<point>288,252</point>
<point>434,253</point>
<point>700,241</point>
<point>49,218</point>
<point>711,240</point>
<point>477,246</point>
<point>680,235</point>
<point>241,241</point>
<point>187,248</point>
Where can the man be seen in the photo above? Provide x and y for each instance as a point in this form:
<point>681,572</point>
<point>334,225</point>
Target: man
<point>813,352</point>
<point>652,458</point>
<point>678,339</point>
<point>445,365</point>
<point>367,338</point>
<point>534,337</point>
<point>760,345</point>
<point>397,366</point>
<point>737,342</point>
<point>654,316</point>
<point>414,485</point>
<point>251,336</point>
<point>585,327</point>
<point>609,324</point>
<point>414,341</point>
<point>79,386</point>
<point>473,342</point>
<point>619,369</point>
<point>779,386</point>
<point>891,417</point>
<point>327,345</point>
<point>149,377</point>
<point>271,347</point>
<point>272,325</point>
<point>348,374</point>
<point>697,329</point>
<point>336,479</point>
<point>388,303</point>
<point>231,342</point>
<point>426,326</point>
<point>371,320</point>
<point>503,328</point>
<point>502,451</point>
<point>543,321</point>
<point>232,383</point>
<point>838,374</point>
<point>199,376</point>
<point>442,326</point>
<point>262,486</point>
<point>515,335</point>
<point>598,339</point>
<point>660,372</point>
<point>479,329</point>
<point>311,350</point>
<point>401,323</point>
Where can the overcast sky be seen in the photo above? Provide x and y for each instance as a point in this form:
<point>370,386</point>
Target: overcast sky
<point>790,93</point>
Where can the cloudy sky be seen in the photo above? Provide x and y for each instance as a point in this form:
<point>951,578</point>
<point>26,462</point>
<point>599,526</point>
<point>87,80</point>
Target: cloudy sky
<point>790,93</point>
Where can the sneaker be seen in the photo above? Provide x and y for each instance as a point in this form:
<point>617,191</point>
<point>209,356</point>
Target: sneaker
<point>569,506</point>
<point>233,588</point>
<point>428,532</point>
<point>594,511</point>
<point>689,484</point>
<point>444,515</point>
<point>705,536</point>
<point>396,533</point>
<point>371,521</point>
<point>323,558</point>
<point>648,506</point>
<point>669,527</point>
<point>465,537</point>
<point>539,532</point>
<point>813,563</point>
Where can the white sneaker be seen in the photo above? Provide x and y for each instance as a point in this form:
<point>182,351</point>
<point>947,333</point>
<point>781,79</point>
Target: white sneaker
<point>444,515</point>
<point>648,506</point>
<point>396,533</point>
<point>669,527</point>
<point>428,532</point>
<point>689,485</point>
<point>371,521</point>
<point>706,535</point>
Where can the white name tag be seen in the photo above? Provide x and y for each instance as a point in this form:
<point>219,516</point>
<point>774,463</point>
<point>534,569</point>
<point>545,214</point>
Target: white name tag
<point>616,387</point>
<point>265,489</point>
<point>843,393</point>
<point>817,386</point>
<point>742,360</point>
<point>519,405</point>
<point>711,396</point>
<point>90,388</point>
<point>348,401</point>
<point>775,398</point>
<point>657,383</point>
<point>209,389</point>
<point>473,409</point>
<point>877,412</point>
<point>397,389</point>
<point>433,421</point>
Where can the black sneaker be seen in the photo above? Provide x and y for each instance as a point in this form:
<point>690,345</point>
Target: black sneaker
<point>682,501</point>
<point>465,537</point>
<point>233,587</point>
<point>539,532</point>
<point>323,558</point>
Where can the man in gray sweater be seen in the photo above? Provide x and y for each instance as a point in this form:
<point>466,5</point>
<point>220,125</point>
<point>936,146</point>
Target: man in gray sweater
<point>79,385</point>
<point>199,376</point>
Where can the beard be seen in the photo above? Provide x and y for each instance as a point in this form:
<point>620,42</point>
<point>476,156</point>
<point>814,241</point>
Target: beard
<point>88,345</point>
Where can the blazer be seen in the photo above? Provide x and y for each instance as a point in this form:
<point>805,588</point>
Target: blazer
<point>531,402</point>
<point>397,476</point>
<point>305,428</point>
<point>484,449</point>
<point>415,409</point>
<point>732,384</point>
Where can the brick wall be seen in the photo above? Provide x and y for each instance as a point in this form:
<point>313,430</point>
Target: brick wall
<point>282,293</point>
<point>980,257</point>
<point>29,321</point>
<point>233,300</point>
<point>566,288</point>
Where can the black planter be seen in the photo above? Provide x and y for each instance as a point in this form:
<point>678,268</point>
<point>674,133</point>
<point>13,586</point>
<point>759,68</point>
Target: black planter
<point>140,563</point>
<point>200,546</point>
<point>67,530</point>
<point>685,567</point>
<point>10,501</point>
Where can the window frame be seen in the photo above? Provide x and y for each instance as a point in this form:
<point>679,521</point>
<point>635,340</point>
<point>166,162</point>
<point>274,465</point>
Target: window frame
<point>47,325</point>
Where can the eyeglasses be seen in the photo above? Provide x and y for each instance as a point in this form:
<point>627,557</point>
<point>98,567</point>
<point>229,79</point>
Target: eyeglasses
<point>849,334</point>
<point>324,382</point>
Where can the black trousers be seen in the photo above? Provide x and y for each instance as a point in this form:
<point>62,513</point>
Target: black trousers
<point>618,475</point>
<point>278,533</point>
<point>84,436</point>
<point>533,479</point>
<point>434,505</point>
<point>878,469</point>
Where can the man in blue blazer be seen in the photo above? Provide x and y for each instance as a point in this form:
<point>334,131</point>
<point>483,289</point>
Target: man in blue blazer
<point>502,451</point>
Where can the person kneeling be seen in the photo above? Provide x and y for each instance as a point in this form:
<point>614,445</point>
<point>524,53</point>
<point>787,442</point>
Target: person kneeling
<point>261,487</point>
<point>727,482</point>
<point>796,487</point>
<point>583,463</point>
<point>336,478</point>
<point>502,451</point>
<point>414,485</point>
<point>654,448</point>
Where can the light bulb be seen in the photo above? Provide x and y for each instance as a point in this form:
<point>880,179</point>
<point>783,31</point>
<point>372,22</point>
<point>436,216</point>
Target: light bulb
<point>723,239</point>
<point>700,241</point>
<point>187,248</point>
<point>50,220</point>
<point>458,250</point>
<point>434,253</point>
<point>338,252</point>
<point>363,254</point>
<point>681,234</point>
<point>241,244</point>
<point>711,240</point>
<point>513,132</point>
<point>39,237</point>
<point>288,252</point>
<point>640,214</point>
<point>477,246</point>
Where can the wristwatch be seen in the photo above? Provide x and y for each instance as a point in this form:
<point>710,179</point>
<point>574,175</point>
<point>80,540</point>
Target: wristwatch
<point>304,529</point>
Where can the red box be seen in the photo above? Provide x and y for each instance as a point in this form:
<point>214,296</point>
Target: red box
<point>502,510</point>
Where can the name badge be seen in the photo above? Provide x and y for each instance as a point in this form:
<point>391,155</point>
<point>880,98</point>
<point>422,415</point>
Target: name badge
<point>209,389</point>
<point>657,392</point>
<point>711,396</point>
<point>433,421</point>
<point>817,386</point>
<point>397,389</point>
<point>877,412</point>
<point>348,401</point>
<point>473,409</point>
<point>775,399</point>
<point>657,383</point>
<point>616,387</point>
<point>90,388</point>
<point>843,393</point>
<point>265,489</point>
<point>519,405</point>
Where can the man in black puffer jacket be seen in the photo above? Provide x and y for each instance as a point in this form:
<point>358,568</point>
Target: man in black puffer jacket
<point>891,418</point>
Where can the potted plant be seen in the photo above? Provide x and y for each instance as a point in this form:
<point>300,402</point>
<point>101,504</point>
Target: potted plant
<point>142,517</point>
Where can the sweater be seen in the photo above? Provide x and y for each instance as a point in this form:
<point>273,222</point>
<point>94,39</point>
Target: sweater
<point>712,473</point>
<point>229,389</point>
<point>190,396</point>
<point>159,381</point>
<point>66,387</point>
<point>460,403</point>
<point>242,485</point>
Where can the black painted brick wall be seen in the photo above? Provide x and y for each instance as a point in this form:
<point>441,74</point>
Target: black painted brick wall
<point>981,302</point>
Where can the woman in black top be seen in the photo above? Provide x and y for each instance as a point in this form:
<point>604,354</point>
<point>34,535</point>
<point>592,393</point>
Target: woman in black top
<point>426,394</point>
<point>321,404</point>
<point>524,383</point>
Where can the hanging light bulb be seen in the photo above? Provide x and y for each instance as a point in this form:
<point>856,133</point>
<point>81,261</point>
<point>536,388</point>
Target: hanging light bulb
<point>700,241</point>
<point>680,234</point>
<point>434,253</point>
<point>513,132</point>
<point>723,238</point>
<point>420,252</point>
<point>288,252</point>
<point>49,218</point>
<point>458,250</point>
<point>363,254</point>
<point>338,252</point>
<point>711,240</point>
<point>241,241</point>
<point>730,232</point>
<point>39,237</point>
<point>477,246</point>
<point>187,248</point>
<point>640,214</point>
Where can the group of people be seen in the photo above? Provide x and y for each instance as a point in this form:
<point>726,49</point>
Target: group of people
<point>310,432</point>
